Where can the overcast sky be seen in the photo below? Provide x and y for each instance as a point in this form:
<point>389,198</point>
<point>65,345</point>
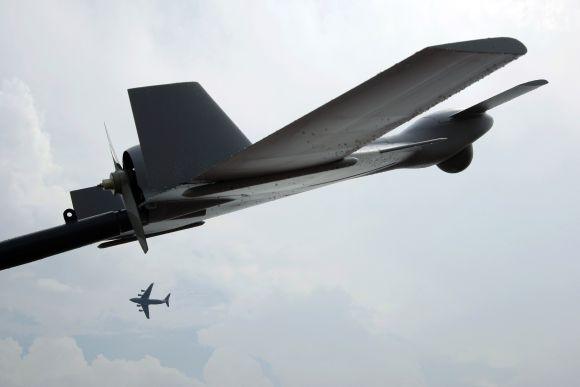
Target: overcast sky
<point>407,278</point>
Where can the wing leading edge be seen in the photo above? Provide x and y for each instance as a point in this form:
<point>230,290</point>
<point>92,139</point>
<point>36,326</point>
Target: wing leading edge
<point>500,98</point>
<point>145,309</point>
<point>147,292</point>
<point>371,109</point>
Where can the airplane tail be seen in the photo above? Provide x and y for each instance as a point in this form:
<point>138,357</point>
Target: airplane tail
<point>167,300</point>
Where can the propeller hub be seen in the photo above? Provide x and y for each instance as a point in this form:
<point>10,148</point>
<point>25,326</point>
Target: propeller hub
<point>119,183</point>
<point>115,182</point>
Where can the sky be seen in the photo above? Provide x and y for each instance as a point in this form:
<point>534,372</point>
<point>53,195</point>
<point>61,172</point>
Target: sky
<point>406,278</point>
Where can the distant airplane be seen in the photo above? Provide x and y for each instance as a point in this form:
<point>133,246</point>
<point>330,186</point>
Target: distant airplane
<point>192,162</point>
<point>143,300</point>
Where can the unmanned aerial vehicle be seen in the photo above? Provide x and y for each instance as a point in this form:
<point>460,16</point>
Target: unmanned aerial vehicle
<point>192,162</point>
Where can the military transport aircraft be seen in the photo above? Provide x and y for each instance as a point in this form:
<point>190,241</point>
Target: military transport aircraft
<point>143,301</point>
<point>193,163</point>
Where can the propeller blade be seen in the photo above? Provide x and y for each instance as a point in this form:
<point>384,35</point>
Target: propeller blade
<point>133,213</point>
<point>120,183</point>
<point>112,150</point>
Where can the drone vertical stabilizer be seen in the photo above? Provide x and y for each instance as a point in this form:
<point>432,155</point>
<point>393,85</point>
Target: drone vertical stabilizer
<point>182,132</point>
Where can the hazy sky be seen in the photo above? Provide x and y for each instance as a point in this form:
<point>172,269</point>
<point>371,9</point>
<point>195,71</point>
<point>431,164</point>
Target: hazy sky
<point>407,278</point>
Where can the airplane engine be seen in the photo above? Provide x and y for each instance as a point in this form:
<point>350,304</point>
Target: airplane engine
<point>458,162</point>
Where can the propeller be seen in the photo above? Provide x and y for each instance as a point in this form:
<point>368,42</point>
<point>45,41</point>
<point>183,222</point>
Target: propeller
<point>112,149</point>
<point>120,184</point>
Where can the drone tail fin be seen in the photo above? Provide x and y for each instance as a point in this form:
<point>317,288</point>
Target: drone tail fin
<point>182,132</point>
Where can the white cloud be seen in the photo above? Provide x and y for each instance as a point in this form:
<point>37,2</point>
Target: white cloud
<point>58,361</point>
<point>53,285</point>
<point>313,340</point>
<point>27,167</point>
<point>230,368</point>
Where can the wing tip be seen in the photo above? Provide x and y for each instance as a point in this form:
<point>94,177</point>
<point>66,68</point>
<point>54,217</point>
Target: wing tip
<point>536,83</point>
<point>137,89</point>
<point>501,45</point>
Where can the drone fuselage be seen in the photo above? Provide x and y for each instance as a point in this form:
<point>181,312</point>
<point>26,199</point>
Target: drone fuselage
<point>187,201</point>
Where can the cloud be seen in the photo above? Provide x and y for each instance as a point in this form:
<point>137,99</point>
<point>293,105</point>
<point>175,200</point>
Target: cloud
<point>314,340</point>
<point>231,368</point>
<point>53,285</point>
<point>27,168</point>
<point>58,361</point>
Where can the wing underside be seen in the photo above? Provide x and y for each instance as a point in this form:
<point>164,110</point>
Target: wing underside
<point>500,98</point>
<point>371,109</point>
<point>145,309</point>
<point>147,292</point>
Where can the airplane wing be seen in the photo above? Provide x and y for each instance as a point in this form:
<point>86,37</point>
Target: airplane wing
<point>371,109</point>
<point>147,292</point>
<point>145,310</point>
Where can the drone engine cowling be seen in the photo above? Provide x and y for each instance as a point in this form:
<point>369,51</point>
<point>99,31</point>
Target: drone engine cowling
<point>458,162</point>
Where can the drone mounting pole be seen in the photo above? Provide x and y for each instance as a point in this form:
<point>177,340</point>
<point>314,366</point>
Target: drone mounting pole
<point>69,236</point>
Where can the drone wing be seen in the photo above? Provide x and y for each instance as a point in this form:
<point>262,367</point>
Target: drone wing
<point>500,98</point>
<point>371,109</point>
